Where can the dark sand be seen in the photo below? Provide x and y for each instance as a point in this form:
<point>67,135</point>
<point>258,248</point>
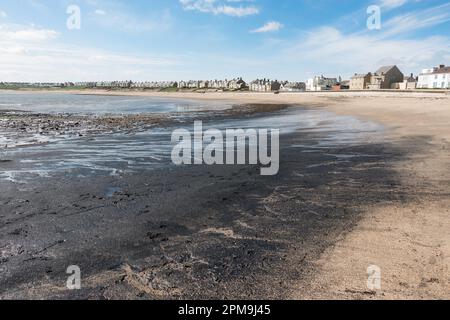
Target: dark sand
<point>195,232</point>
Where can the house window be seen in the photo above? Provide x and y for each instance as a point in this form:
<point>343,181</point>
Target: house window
<point>434,84</point>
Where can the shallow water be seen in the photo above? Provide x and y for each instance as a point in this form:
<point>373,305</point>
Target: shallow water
<point>53,103</point>
<point>118,153</point>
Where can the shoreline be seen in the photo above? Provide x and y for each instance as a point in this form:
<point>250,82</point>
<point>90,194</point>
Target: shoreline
<point>194,232</point>
<point>362,104</point>
<point>399,206</point>
<point>37,126</point>
<point>244,97</point>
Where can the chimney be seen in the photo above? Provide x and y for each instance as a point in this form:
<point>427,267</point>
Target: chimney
<point>441,66</point>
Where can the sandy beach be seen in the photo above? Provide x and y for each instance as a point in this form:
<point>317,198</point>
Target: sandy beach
<point>410,242</point>
<point>310,234</point>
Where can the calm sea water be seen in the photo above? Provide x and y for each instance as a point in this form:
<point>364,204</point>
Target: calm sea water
<point>118,153</point>
<point>52,103</point>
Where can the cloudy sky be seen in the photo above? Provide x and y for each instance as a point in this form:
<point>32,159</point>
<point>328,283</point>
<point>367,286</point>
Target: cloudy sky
<point>197,39</point>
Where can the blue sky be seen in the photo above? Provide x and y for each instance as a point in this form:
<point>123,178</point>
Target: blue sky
<point>208,39</point>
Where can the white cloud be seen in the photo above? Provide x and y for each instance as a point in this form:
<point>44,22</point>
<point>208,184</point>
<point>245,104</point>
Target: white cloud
<point>417,20</point>
<point>269,27</point>
<point>100,12</point>
<point>130,22</point>
<point>27,34</point>
<point>390,4</point>
<point>116,15</point>
<point>237,11</point>
<point>329,50</point>
<point>220,7</point>
<point>3,14</point>
<point>33,54</point>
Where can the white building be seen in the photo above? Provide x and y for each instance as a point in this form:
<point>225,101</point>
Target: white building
<point>320,83</point>
<point>310,85</point>
<point>435,78</point>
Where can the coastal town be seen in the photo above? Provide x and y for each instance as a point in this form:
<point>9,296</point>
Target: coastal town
<point>224,158</point>
<point>385,78</point>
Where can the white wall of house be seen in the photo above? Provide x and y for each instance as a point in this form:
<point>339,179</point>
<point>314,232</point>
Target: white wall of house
<point>310,85</point>
<point>320,83</point>
<point>405,85</point>
<point>429,80</point>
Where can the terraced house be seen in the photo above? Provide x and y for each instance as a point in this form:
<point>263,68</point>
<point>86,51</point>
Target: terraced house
<point>435,78</point>
<point>265,85</point>
<point>360,81</point>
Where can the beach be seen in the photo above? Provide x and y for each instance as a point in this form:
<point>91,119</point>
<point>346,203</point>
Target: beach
<point>367,184</point>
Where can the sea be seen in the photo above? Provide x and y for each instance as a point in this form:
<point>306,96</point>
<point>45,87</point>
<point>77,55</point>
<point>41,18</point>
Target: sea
<point>27,157</point>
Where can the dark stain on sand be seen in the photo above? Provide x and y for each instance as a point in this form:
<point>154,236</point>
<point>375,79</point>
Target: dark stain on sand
<point>192,232</point>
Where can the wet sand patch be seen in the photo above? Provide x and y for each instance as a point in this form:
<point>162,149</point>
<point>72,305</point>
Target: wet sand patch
<point>183,238</point>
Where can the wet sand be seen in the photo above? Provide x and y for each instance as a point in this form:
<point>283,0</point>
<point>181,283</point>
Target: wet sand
<point>226,232</point>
